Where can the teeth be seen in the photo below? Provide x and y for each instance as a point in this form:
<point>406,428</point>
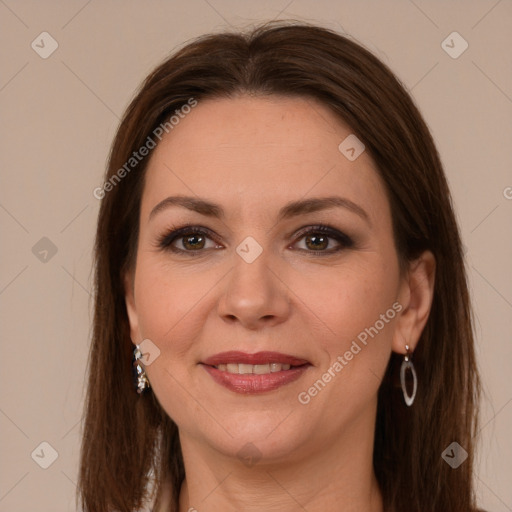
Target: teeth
<point>261,369</point>
<point>275,367</point>
<point>245,368</point>
<point>258,369</point>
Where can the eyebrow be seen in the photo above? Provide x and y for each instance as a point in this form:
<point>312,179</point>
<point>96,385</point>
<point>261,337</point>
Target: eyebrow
<point>291,209</point>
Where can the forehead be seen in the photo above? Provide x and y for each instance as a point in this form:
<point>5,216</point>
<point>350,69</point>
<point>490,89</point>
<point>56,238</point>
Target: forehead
<point>261,150</point>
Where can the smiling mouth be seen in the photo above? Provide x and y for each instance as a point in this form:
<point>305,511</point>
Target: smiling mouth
<point>248,378</point>
<point>257,369</point>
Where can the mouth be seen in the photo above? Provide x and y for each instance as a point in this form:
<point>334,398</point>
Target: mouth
<point>256,369</point>
<point>259,363</point>
<point>254,373</point>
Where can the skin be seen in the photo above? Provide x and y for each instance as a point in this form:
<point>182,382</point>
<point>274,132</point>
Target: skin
<point>252,155</point>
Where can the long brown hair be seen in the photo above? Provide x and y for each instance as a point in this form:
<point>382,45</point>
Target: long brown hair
<point>128,440</point>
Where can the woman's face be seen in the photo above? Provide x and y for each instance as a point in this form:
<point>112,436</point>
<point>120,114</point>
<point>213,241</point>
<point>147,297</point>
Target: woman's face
<point>260,277</point>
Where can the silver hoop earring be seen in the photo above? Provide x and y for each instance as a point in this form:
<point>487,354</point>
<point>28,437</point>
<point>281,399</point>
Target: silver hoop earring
<point>407,365</point>
<point>140,378</point>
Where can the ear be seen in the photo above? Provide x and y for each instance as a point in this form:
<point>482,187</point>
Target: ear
<point>131,310</point>
<point>415,296</point>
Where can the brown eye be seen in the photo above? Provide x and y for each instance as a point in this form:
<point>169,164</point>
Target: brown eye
<point>188,239</point>
<point>323,240</point>
<point>316,242</point>
<point>193,241</point>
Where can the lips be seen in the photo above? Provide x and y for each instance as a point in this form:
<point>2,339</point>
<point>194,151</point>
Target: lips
<point>259,358</point>
<point>254,373</point>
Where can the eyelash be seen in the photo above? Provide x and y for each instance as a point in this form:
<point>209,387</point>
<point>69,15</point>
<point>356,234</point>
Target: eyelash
<point>165,241</point>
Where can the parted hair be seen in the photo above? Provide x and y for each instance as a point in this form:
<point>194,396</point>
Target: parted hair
<point>129,444</point>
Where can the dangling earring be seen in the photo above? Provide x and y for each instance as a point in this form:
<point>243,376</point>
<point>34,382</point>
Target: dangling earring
<point>407,365</point>
<point>140,378</point>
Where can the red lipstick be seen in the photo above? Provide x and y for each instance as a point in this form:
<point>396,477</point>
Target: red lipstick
<point>270,375</point>
<point>258,358</point>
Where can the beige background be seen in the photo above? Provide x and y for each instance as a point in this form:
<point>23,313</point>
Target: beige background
<point>59,116</point>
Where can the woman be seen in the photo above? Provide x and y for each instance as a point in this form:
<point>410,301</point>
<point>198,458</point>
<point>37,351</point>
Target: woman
<point>278,256</point>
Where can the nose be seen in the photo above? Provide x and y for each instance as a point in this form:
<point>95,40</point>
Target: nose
<point>255,294</point>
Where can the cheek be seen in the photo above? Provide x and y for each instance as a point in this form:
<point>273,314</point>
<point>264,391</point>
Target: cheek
<point>351,299</point>
<point>356,309</point>
<point>164,298</point>
<point>170,314</point>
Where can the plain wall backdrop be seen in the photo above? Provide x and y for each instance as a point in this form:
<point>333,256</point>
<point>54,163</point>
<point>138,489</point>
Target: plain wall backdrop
<point>60,111</point>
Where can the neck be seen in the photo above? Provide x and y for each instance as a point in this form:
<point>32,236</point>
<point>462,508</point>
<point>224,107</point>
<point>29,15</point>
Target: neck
<point>334,475</point>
